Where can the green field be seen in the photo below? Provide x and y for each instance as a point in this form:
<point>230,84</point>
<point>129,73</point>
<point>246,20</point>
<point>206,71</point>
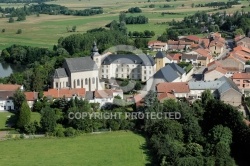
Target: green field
<point>44,31</point>
<point>106,149</point>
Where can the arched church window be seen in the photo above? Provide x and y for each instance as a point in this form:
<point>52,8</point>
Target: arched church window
<point>86,81</point>
<point>93,80</point>
<point>78,82</point>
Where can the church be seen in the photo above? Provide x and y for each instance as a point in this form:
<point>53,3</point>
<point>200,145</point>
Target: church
<point>86,72</point>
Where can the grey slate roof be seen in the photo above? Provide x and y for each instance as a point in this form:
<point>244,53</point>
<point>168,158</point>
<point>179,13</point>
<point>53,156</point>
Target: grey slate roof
<point>200,85</point>
<point>222,84</point>
<point>80,64</point>
<point>189,56</point>
<point>60,73</point>
<point>160,54</point>
<point>202,58</point>
<point>89,95</point>
<point>169,73</point>
<point>228,84</point>
<point>144,60</point>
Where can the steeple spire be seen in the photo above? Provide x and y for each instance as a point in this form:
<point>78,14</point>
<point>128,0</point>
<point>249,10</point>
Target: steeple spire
<point>94,48</point>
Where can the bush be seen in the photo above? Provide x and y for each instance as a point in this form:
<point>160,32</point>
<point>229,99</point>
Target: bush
<point>3,30</point>
<point>70,132</point>
<point>19,31</point>
<point>59,131</point>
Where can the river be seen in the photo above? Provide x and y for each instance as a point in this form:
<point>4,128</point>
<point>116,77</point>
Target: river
<point>7,69</point>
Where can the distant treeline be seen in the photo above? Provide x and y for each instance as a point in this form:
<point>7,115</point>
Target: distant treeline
<point>219,4</point>
<point>136,20</point>
<point>134,10</point>
<point>24,1</point>
<point>51,9</point>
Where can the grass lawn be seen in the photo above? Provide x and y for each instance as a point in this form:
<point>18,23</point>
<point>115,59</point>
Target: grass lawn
<point>106,149</point>
<point>4,116</point>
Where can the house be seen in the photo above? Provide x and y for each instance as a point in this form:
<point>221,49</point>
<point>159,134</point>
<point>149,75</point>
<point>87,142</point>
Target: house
<point>6,101</point>
<point>229,92</point>
<point>190,38</point>
<point>204,43</point>
<point>242,80</point>
<point>242,41</point>
<point>232,64</point>
<point>168,90</point>
<point>67,93</point>
<point>203,53</point>
<point>170,73</point>
<point>31,97</point>
<point>217,43</point>
<point>241,53</point>
<point>214,74</point>
<point>103,96</point>
<point>179,45</point>
<point>161,59</point>
<point>6,96</point>
<point>202,61</point>
<point>223,88</point>
<point>157,46</point>
<point>190,58</point>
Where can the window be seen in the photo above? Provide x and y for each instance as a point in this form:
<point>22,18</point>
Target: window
<point>102,76</point>
<point>122,75</point>
<point>96,60</point>
<point>145,77</point>
<point>116,76</point>
<point>107,70</point>
<point>56,84</point>
<point>122,69</point>
<point>67,84</point>
<point>149,72</point>
<point>116,69</point>
<point>102,70</point>
<point>93,80</point>
<point>145,72</point>
<point>78,82</point>
<point>86,81</point>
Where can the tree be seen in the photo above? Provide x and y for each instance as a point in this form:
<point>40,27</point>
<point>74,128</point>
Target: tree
<point>18,99</point>
<point>239,31</point>
<point>24,116</point>
<point>206,96</point>
<point>11,20</point>
<point>74,28</point>
<point>48,119</point>
<point>19,31</point>
<point>122,17</point>
<point>3,30</point>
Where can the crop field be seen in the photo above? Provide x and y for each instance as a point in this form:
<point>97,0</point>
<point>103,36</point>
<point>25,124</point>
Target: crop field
<point>105,149</point>
<point>45,30</point>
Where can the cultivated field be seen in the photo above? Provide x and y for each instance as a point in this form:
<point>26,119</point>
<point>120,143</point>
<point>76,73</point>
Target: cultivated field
<point>45,30</point>
<point>106,149</point>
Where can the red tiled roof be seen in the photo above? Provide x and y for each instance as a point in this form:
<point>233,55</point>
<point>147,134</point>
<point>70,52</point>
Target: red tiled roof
<point>68,93</point>
<point>169,87</point>
<point>241,76</point>
<point>153,42</point>
<point>163,96</point>
<point>192,38</point>
<point>216,63</point>
<point>107,93</point>
<point>138,100</point>
<point>9,87</point>
<point>205,41</point>
<point>176,57</point>
<point>31,96</point>
<point>219,69</point>
<point>241,48</point>
<point>204,52</point>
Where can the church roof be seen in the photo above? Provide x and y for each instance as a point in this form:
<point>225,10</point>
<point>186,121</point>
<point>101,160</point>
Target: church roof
<point>80,64</point>
<point>144,60</point>
<point>60,73</point>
